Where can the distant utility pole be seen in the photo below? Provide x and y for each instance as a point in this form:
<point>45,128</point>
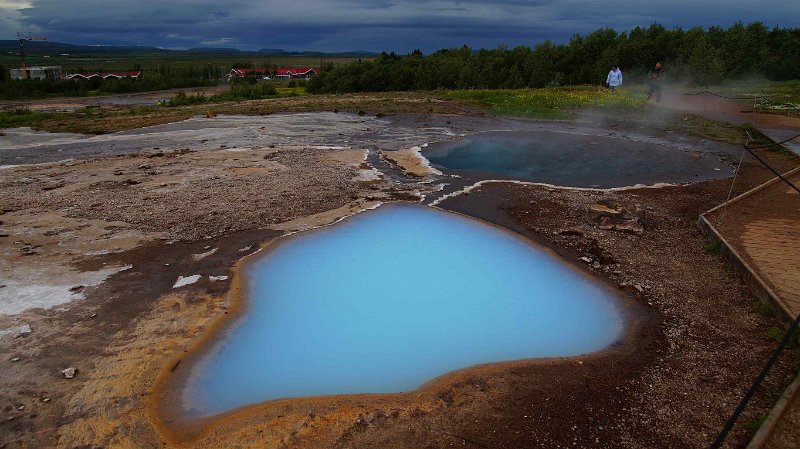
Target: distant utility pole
<point>26,36</point>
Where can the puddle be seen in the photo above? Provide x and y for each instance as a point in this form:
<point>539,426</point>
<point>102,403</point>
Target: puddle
<point>574,160</point>
<point>390,299</point>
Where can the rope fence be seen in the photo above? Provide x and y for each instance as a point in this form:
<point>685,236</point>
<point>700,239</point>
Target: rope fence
<point>787,337</point>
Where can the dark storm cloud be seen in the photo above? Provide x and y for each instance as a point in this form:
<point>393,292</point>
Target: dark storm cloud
<point>363,24</point>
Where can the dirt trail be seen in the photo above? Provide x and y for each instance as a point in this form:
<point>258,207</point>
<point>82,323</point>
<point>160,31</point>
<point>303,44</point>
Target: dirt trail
<point>737,112</point>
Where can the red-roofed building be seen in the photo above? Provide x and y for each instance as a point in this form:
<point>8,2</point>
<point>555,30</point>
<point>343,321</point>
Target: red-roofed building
<point>121,75</point>
<point>278,73</point>
<point>118,75</point>
<point>241,73</point>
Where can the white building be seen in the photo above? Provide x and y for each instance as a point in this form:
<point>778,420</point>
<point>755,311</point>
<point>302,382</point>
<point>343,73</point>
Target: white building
<point>37,73</point>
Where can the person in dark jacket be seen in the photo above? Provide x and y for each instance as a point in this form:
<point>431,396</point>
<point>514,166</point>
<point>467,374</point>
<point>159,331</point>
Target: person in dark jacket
<point>657,76</point>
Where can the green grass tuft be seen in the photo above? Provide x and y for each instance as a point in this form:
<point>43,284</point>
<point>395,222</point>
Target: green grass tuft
<point>755,424</point>
<point>21,117</point>
<point>763,309</point>
<point>712,247</point>
<point>760,140</point>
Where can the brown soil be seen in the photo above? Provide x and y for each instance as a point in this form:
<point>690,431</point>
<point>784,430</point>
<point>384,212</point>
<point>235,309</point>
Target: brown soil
<point>738,112</point>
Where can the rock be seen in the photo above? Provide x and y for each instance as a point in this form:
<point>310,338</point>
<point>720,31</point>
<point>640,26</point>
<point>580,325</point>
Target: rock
<point>608,207</point>
<point>53,186</point>
<point>24,330</point>
<point>28,250</point>
<point>217,278</point>
<point>15,359</point>
<point>586,259</point>
<point>597,253</point>
<point>596,265</point>
<point>571,231</point>
<point>631,225</point>
<point>612,215</point>
<point>70,372</point>
<point>638,288</point>
<point>145,166</point>
<point>46,400</point>
<point>186,280</point>
<point>76,288</point>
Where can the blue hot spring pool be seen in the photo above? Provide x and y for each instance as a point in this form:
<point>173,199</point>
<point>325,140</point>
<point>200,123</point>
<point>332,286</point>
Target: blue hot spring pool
<point>391,298</point>
<point>575,160</point>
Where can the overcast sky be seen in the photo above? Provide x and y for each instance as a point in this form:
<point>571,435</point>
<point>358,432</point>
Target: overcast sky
<point>376,25</point>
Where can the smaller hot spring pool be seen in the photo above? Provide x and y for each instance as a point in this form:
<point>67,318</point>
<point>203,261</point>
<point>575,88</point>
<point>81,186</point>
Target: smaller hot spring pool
<point>573,160</point>
<point>390,299</point>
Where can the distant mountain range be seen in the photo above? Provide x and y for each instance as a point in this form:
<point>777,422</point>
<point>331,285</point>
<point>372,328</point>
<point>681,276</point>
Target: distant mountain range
<point>34,47</point>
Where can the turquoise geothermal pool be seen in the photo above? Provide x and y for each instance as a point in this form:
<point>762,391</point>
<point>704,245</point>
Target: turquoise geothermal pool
<point>573,159</point>
<point>390,299</point>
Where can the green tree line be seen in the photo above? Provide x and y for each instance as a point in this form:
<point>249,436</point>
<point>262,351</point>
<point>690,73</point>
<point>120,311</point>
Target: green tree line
<point>698,55</point>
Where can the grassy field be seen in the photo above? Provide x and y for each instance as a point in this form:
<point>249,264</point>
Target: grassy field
<point>783,97</point>
<point>549,103</point>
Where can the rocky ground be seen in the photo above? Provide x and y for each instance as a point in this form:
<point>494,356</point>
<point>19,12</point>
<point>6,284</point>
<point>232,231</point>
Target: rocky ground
<point>713,335</point>
<point>100,241</point>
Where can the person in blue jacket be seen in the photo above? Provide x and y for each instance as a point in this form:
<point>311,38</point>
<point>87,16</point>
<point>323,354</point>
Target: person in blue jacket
<point>614,78</point>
